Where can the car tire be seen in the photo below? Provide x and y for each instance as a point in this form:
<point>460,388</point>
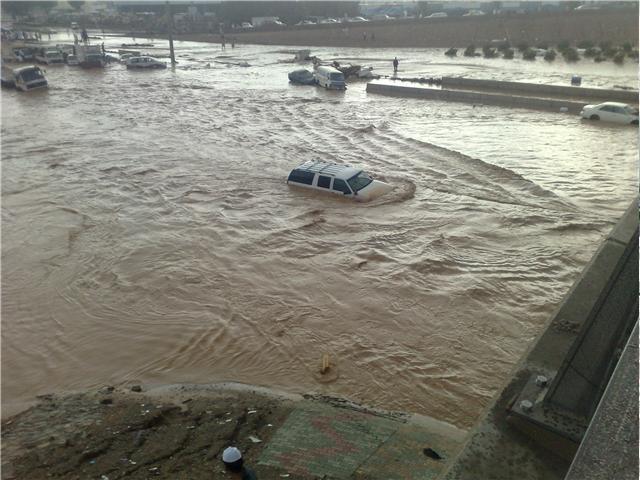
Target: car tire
<point>594,117</point>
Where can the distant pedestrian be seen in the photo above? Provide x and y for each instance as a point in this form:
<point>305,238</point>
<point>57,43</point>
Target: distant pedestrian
<point>48,33</point>
<point>364,36</point>
<point>103,50</point>
<point>395,65</point>
<point>223,43</point>
<point>233,42</point>
<point>234,464</point>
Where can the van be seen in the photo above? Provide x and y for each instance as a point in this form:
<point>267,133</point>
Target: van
<point>24,78</point>
<point>337,179</point>
<point>329,77</point>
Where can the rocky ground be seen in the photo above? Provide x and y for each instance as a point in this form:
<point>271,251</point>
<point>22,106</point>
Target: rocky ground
<point>111,434</point>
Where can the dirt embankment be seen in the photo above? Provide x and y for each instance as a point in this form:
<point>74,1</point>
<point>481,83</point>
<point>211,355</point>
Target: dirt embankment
<point>616,26</point>
<point>113,434</point>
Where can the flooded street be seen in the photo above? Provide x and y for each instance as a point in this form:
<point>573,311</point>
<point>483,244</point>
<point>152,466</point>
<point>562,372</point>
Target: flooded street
<point>148,234</point>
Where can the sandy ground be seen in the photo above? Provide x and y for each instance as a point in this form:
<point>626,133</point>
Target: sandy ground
<point>163,434</point>
<point>617,26</point>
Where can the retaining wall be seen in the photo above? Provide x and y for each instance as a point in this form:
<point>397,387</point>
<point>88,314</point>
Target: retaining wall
<point>507,100</point>
<point>538,89</point>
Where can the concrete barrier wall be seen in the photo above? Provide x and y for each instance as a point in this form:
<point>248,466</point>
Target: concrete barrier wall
<point>476,97</point>
<point>627,96</point>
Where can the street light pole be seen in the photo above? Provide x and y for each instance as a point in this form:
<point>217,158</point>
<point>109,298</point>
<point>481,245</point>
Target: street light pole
<point>170,28</point>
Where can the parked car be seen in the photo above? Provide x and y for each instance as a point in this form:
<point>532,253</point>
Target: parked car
<point>438,15</point>
<point>357,19</point>
<point>330,78</point>
<point>611,112</point>
<point>474,13</point>
<point>337,179</point>
<point>144,62</point>
<point>246,25</point>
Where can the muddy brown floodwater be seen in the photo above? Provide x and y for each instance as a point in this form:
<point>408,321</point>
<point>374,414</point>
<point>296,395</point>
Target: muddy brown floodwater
<point>148,234</point>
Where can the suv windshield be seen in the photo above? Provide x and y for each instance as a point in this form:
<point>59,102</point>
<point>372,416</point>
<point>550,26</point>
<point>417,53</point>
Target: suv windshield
<point>32,74</point>
<point>360,181</point>
<point>337,76</point>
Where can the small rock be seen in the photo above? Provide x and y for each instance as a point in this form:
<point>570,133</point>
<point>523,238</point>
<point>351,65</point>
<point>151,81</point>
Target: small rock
<point>136,388</point>
<point>106,401</point>
<point>106,390</point>
<point>429,452</point>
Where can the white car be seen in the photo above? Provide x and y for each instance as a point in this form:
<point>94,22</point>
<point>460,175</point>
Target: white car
<point>246,25</point>
<point>357,19</point>
<point>438,15</point>
<point>611,112</point>
<point>341,180</point>
<point>144,62</point>
<point>474,13</point>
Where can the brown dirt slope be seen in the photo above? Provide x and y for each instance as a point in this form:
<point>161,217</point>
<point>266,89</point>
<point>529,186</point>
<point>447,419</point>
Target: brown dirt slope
<point>617,26</point>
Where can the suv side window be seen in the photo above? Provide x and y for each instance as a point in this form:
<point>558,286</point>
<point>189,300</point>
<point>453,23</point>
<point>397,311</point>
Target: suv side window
<point>324,182</point>
<point>340,185</point>
<point>300,176</point>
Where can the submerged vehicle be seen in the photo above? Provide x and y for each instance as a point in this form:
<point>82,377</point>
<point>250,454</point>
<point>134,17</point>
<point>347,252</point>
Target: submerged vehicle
<point>329,77</point>
<point>72,61</point>
<point>90,56</point>
<point>144,62</point>
<point>337,179</point>
<point>49,56</point>
<point>24,78</point>
<point>302,76</point>
<point>611,112</point>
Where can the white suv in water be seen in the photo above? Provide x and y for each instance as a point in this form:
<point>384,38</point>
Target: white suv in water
<point>337,179</point>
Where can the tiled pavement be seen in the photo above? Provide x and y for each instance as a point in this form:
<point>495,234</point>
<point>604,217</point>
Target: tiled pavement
<point>322,441</point>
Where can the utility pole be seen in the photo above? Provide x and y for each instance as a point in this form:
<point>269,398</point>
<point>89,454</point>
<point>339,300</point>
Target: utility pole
<point>170,28</point>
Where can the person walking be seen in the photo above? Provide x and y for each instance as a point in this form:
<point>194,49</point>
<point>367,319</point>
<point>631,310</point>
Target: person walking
<point>395,65</point>
<point>234,464</point>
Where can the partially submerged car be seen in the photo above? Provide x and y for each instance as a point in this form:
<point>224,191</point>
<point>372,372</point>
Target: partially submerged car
<point>337,179</point>
<point>144,62</point>
<point>302,77</point>
<point>611,112</point>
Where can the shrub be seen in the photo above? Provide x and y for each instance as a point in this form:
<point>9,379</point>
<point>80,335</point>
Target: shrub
<point>543,46</point>
<point>571,55</point>
<point>470,51</point>
<point>523,46</point>
<point>529,54</point>
<point>489,52</point>
<point>452,52</point>
<point>550,56</point>
<point>619,58</point>
<point>599,58</point>
<point>633,54</point>
<point>627,47</point>
<point>591,52</point>
<point>508,54</point>
<point>504,46</point>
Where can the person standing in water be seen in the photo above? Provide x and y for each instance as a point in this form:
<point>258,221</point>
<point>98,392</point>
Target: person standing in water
<point>395,65</point>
